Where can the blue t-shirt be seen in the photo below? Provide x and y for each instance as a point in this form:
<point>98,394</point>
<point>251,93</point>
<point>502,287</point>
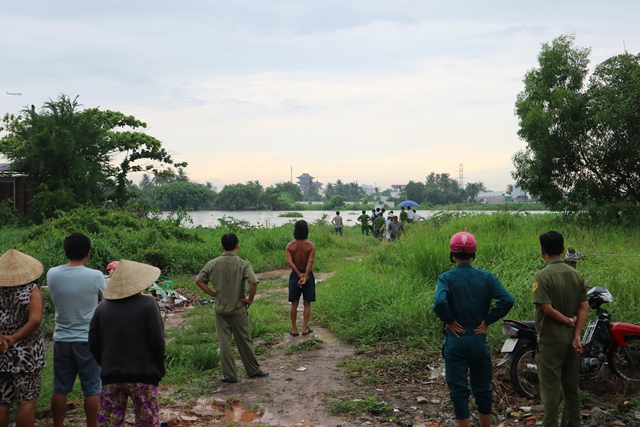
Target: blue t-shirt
<point>76,292</point>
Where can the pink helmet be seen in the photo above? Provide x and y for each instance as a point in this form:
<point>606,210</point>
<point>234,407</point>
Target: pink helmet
<point>113,265</point>
<point>463,242</point>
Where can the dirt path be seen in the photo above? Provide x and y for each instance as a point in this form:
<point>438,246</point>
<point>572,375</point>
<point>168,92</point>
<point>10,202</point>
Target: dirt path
<point>302,370</point>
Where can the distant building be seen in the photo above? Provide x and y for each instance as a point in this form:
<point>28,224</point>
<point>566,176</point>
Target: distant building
<point>491,197</point>
<point>519,195</point>
<point>12,187</point>
<point>368,189</point>
<point>397,189</point>
<point>305,180</point>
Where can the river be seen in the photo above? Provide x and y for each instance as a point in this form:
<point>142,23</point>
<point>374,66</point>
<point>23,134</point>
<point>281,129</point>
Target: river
<point>272,219</point>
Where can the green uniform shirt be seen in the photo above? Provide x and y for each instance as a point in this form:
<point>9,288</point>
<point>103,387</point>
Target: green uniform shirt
<point>364,219</point>
<point>229,275</point>
<point>403,216</point>
<point>563,287</point>
<point>378,223</point>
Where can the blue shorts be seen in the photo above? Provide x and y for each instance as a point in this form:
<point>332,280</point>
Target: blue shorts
<point>71,359</point>
<point>308,290</point>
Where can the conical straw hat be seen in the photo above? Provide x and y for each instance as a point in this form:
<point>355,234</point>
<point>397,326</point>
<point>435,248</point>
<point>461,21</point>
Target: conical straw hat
<point>130,278</point>
<point>18,269</point>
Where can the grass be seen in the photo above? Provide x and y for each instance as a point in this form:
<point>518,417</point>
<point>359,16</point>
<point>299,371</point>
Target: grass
<point>368,404</point>
<point>380,295</point>
<point>388,296</point>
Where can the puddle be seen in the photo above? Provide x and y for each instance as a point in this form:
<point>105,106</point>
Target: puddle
<point>327,337</point>
<point>239,414</point>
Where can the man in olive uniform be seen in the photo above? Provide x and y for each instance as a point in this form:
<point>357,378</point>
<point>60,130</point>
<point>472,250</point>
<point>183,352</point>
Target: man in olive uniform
<point>364,223</point>
<point>404,216</point>
<point>229,275</point>
<point>379,225</point>
<point>560,295</point>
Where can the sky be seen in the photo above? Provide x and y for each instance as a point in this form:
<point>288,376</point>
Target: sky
<point>373,92</point>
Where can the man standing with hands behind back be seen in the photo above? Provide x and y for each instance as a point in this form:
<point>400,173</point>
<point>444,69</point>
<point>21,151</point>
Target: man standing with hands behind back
<point>300,254</point>
<point>229,274</point>
<point>560,295</point>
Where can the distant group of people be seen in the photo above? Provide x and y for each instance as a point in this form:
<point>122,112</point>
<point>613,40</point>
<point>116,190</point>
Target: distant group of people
<point>380,223</point>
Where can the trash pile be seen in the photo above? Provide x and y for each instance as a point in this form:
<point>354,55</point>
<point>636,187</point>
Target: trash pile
<point>170,299</point>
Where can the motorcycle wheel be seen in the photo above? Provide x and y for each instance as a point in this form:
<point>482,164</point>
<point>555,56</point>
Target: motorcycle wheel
<point>524,380</point>
<point>625,361</point>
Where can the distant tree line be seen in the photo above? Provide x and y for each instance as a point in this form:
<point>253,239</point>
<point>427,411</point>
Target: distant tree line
<point>441,189</point>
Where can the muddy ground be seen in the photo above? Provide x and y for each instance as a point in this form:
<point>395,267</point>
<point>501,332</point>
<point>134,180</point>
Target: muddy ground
<point>316,384</point>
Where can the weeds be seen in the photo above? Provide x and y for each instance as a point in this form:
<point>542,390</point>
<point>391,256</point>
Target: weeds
<point>312,344</point>
<point>367,404</point>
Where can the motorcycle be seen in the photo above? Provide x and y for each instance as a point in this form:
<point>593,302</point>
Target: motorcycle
<point>614,344</point>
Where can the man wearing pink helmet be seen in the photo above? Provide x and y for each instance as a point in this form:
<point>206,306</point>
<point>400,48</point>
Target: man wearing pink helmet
<point>463,302</point>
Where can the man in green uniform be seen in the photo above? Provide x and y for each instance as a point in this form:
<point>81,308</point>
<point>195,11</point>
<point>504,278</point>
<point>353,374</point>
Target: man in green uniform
<point>379,224</point>
<point>403,216</point>
<point>229,275</point>
<point>560,295</point>
<point>364,221</point>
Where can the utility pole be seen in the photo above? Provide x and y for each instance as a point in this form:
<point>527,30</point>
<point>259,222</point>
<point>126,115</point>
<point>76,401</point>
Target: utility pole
<point>461,176</point>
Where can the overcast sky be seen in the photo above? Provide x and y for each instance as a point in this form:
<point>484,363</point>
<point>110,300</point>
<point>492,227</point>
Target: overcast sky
<point>378,92</point>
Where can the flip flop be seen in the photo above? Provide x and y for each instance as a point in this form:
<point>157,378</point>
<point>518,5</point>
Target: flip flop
<point>309,331</point>
<point>294,334</point>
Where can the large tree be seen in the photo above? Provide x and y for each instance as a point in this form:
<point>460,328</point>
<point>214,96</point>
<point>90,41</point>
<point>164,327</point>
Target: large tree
<point>73,156</point>
<point>414,191</point>
<point>182,194</point>
<point>583,136</point>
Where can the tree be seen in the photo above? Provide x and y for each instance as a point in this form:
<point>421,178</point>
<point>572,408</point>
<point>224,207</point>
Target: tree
<point>281,197</point>
<point>415,191</point>
<point>291,189</point>
<point>553,121</point>
<point>351,191</point>
<point>236,197</point>
<point>472,190</point>
<point>189,196</point>
<point>68,154</point>
<point>335,202</point>
<point>441,189</point>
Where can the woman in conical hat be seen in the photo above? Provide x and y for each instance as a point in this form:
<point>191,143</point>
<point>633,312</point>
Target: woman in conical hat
<point>126,337</point>
<point>21,337</point>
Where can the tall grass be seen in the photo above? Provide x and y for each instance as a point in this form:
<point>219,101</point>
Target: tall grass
<point>381,292</point>
<point>388,297</point>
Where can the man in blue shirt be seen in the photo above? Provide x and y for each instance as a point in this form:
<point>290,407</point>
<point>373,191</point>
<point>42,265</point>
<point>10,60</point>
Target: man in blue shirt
<point>463,302</point>
<point>75,291</point>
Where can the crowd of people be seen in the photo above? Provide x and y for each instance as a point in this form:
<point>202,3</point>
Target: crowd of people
<point>381,224</point>
<point>110,335</point>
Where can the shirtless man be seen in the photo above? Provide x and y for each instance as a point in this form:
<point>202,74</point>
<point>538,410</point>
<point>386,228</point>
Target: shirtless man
<point>300,255</point>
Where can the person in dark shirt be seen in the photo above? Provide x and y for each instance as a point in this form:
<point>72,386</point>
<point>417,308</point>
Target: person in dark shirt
<point>126,337</point>
<point>463,301</point>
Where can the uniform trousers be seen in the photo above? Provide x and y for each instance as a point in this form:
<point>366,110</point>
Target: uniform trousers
<point>468,356</point>
<point>559,369</point>
<point>236,325</point>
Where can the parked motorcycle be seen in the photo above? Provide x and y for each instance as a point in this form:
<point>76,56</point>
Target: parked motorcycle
<point>615,344</point>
